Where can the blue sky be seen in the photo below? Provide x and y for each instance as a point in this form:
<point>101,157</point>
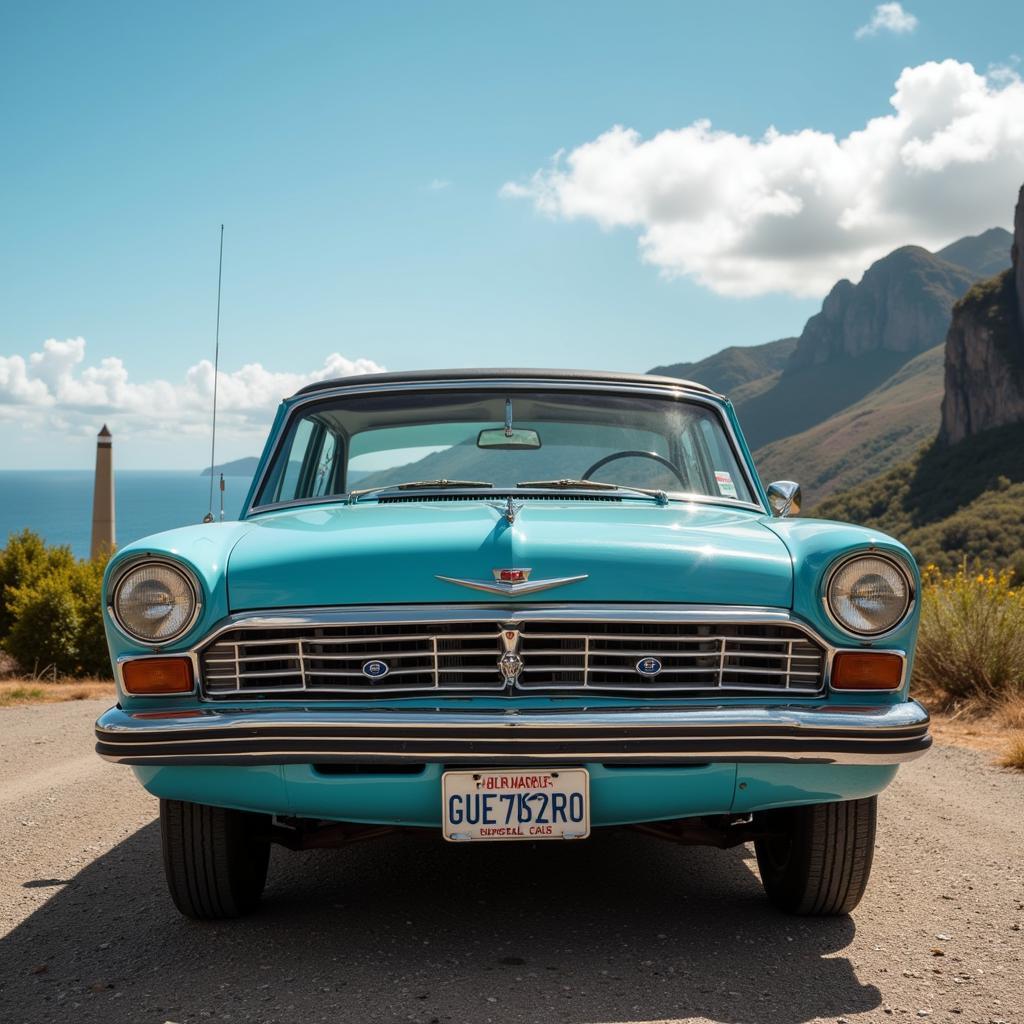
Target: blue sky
<point>357,154</point>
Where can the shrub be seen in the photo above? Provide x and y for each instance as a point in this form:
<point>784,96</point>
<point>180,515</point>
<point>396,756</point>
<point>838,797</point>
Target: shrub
<point>971,644</point>
<point>25,559</point>
<point>1014,756</point>
<point>51,606</point>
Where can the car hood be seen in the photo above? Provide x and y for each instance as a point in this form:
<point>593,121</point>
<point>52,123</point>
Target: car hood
<point>629,551</point>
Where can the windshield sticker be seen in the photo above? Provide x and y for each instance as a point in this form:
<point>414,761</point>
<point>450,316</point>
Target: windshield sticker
<point>725,485</point>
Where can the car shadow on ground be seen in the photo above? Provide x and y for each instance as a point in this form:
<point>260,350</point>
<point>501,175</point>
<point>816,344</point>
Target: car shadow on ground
<point>409,928</point>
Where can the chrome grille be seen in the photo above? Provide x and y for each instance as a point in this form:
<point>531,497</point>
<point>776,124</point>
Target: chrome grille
<point>558,655</point>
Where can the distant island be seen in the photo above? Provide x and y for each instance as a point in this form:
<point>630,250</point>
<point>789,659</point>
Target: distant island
<point>240,467</point>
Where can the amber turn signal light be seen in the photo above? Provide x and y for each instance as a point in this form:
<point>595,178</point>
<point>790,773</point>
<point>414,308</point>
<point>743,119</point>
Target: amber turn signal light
<point>157,675</point>
<point>868,670</point>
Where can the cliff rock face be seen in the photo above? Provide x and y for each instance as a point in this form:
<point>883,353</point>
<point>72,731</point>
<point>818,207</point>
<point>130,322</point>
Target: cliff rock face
<point>902,304</point>
<point>985,351</point>
<point>1017,254</point>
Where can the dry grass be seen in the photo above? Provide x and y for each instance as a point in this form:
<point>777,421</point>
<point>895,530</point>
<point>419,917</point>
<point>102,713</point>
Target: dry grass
<point>1012,717</point>
<point>1014,755</point>
<point>998,730</point>
<point>34,691</point>
<point>969,667</point>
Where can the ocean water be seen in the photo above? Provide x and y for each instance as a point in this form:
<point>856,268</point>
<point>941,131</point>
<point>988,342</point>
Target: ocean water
<point>57,504</point>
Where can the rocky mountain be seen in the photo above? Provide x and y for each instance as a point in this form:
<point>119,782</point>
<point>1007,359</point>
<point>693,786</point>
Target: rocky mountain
<point>984,254</point>
<point>859,390</point>
<point>961,497</point>
<point>901,305</point>
<point>865,333</point>
<point>984,367</point>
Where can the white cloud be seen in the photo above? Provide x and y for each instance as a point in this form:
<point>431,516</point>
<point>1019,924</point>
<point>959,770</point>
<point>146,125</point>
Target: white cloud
<point>888,18</point>
<point>795,211</point>
<point>55,387</point>
<point>439,185</point>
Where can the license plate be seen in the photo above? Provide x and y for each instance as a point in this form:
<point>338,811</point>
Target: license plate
<point>532,804</point>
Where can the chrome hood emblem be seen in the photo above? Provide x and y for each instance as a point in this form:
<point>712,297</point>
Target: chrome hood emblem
<point>510,664</point>
<point>509,509</point>
<point>512,581</point>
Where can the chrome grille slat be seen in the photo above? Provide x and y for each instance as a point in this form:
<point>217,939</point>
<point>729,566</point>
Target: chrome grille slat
<point>563,655</point>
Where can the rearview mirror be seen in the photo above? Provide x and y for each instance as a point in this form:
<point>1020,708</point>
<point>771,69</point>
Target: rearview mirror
<point>508,439</point>
<point>784,498</point>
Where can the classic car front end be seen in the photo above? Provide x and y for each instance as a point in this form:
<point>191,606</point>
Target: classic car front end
<point>513,605</point>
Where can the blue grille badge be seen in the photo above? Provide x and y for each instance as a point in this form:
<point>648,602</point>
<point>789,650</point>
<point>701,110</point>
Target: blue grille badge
<point>375,669</point>
<point>649,667</point>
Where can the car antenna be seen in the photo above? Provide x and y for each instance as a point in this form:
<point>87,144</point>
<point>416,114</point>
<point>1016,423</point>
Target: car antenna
<point>208,518</point>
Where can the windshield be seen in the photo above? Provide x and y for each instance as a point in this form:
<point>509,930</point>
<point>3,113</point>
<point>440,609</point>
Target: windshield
<point>541,438</point>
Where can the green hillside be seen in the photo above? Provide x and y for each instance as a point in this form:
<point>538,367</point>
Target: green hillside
<point>803,397</point>
<point>986,254</point>
<point>884,428</point>
<point>949,503</point>
<point>735,366</point>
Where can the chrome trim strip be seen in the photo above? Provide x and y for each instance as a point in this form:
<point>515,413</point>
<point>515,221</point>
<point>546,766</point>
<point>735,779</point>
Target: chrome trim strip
<point>707,399</point>
<point>835,735</point>
<point>389,614</point>
<point>886,718</point>
<point>751,755</point>
<point>511,589</point>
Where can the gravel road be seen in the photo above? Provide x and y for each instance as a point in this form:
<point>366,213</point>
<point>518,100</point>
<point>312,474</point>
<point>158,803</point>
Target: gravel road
<point>620,928</point>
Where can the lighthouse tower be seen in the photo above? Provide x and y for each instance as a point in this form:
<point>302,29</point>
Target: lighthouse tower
<point>103,497</point>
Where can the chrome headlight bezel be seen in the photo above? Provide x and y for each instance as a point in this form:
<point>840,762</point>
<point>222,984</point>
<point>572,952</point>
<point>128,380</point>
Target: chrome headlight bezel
<point>897,563</point>
<point>121,577</point>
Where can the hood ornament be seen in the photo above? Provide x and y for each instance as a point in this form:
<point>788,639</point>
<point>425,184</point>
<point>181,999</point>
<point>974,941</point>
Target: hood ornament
<point>509,509</point>
<point>512,581</point>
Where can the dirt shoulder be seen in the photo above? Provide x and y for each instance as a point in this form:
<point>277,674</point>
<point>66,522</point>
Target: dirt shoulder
<point>16,692</point>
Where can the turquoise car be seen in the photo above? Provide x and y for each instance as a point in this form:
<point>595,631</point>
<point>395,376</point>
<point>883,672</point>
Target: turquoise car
<point>505,606</point>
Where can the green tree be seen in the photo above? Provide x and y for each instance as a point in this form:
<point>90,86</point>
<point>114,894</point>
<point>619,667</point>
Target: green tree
<point>57,623</point>
<point>24,560</point>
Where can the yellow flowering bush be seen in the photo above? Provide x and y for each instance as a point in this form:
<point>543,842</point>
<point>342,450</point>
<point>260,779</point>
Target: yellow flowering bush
<point>971,644</point>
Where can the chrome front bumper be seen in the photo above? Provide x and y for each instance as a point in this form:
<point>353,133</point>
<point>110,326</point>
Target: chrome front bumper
<point>826,734</point>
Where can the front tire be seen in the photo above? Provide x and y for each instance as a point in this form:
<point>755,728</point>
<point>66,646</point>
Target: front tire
<point>818,860</point>
<point>215,859</point>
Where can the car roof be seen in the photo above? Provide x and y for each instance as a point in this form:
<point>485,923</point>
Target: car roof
<point>443,376</point>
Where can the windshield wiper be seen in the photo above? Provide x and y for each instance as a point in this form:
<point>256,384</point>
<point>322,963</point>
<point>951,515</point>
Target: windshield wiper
<point>596,485</point>
<point>415,485</point>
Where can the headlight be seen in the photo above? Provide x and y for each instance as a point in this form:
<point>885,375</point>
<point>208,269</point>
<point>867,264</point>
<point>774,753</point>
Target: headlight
<point>155,602</point>
<point>868,594</point>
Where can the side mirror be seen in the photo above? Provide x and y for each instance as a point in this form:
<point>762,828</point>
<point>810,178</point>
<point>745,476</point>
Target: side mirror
<point>784,498</point>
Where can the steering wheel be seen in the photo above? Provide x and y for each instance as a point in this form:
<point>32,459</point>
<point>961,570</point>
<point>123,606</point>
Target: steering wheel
<point>670,466</point>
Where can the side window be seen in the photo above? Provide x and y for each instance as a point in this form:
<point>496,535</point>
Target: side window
<point>728,479</point>
<point>310,469</point>
<point>692,461</point>
<point>323,482</point>
<point>288,485</point>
